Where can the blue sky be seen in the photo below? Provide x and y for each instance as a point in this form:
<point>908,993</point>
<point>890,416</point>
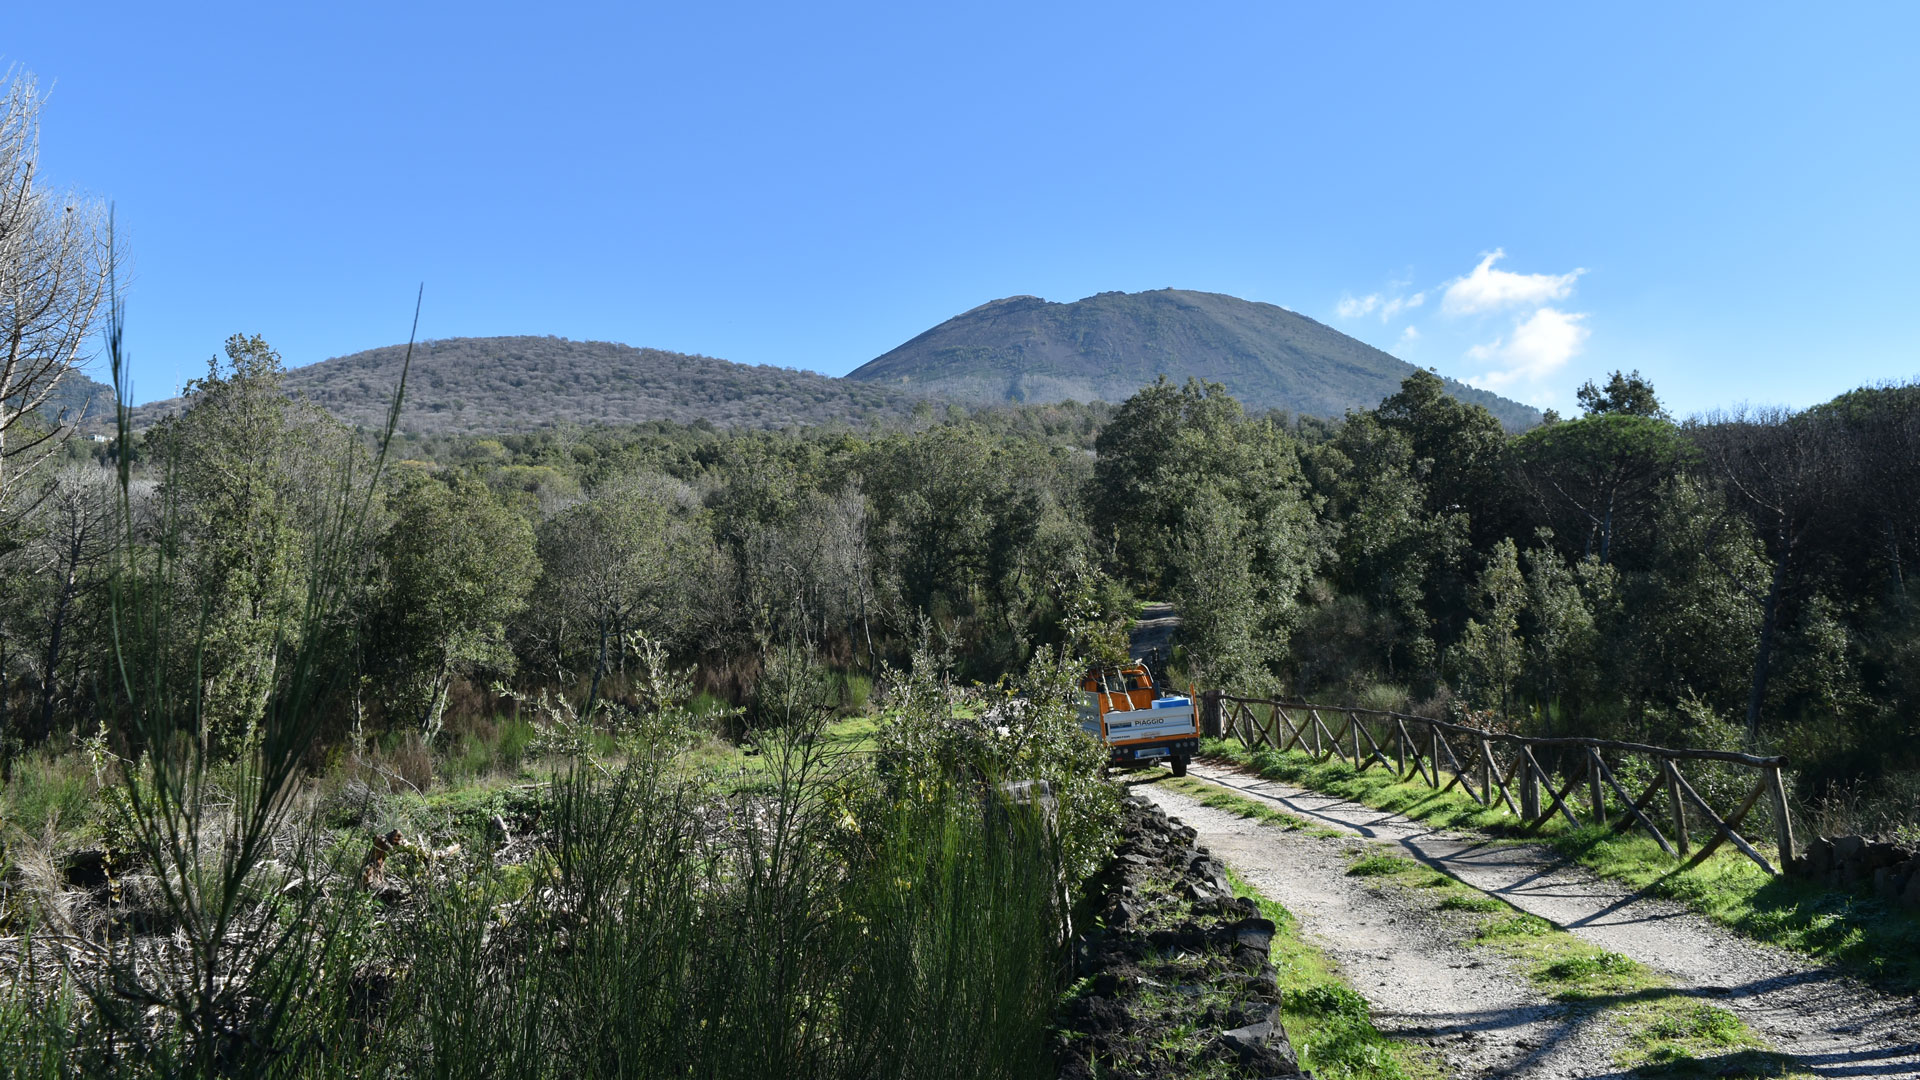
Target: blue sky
<point>1721,195</point>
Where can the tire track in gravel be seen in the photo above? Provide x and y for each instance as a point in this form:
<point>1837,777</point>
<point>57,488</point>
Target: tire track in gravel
<point>1832,1024</point>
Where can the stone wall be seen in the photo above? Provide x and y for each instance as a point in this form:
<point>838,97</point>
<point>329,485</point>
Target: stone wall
<point>1175,959</point>
<point>1891,871</point>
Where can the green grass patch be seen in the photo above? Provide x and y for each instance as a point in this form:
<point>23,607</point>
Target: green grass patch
<point>1379,864</point>
<point>1600,963</point>
<point>1376,786</point>
<point>1681,1037</point>
<point>1329,1024</point>
<point>854,733</point>
<point>1471,901</point>
<point>1221,798</point>
<point>738,769</point>
<point>1865,935</point>
<point>1512,924</point>
<point>49,793</point>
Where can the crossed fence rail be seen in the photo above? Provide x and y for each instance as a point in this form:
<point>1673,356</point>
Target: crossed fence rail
<point>1502,771</point>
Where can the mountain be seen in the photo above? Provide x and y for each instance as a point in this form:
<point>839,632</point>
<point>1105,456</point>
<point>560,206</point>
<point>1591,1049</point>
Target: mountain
<point>506,384</point>
<point>1107,346</point>
<point>80,400</point>
<point>1018,349</point>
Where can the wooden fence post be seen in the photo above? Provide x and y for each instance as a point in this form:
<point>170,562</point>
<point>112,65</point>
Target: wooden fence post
<point>1679,808</point>
<point>1210,713</point>
<point>1353,721</point>
<point>1783,821</point>
<point>1493,774</point>
<point>1433,747</point>
<point>1486,772</point>
<point>1596,794</point>
<point>1399,748</point>
<point>1529,786</point>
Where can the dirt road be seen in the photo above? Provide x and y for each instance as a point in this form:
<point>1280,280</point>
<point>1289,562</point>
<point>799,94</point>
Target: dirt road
<point>1153,634</point>
<point>1487,1019</point>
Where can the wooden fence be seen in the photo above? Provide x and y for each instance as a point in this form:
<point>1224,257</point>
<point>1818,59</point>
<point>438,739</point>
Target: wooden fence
<point>1504,772</point>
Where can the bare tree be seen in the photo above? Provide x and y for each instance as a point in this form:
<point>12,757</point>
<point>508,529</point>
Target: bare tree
<point>1780,469</point>
<point>54,258</point>
<point>77,521</point>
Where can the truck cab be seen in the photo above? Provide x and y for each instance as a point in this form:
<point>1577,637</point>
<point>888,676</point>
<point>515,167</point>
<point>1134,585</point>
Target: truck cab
<point>1138,721</point>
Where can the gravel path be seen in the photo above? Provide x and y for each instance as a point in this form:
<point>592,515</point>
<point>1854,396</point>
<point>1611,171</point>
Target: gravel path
<point>1489,1020</point>
<point>1481,1016</point>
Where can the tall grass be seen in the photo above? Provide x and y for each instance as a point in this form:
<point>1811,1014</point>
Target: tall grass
<point>812,926</point>
<point>812,931</point>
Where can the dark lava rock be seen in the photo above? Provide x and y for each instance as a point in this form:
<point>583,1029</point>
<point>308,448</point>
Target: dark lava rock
<point>1172,935</point>
<point>86,869</point>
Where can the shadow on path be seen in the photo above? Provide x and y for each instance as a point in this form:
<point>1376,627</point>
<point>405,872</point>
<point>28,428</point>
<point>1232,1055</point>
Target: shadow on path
<point>1831,1024</point>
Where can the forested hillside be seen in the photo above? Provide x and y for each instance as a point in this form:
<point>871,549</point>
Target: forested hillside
<point>1107,346</point>
<point>1012,351</point>
<point>507,384</point>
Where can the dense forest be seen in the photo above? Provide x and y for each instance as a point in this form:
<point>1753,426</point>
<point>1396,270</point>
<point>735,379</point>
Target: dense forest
<point>1732,579</point>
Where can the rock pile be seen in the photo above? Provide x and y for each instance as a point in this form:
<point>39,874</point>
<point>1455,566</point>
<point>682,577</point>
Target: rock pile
<point>1176,980</point>
<point>1892,871</point>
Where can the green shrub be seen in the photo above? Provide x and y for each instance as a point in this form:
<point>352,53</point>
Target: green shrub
<point>1329,1000</point>
<point>856,692</point>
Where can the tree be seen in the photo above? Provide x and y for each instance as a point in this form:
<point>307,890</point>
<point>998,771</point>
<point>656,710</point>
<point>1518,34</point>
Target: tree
<point>1685,625</point>
<point>1464,448</point>
<point>1781,469</point>
<point>1560,626</point>
<point>77,516</point>
<point>1491,651</point>
<point>1390,551</point>
<point>937,497</point>
<point>1459,452</point>
<point>1624,395</point>
<point>458,566</point>
<point>1216,593</point>
<point>249,478</point>
<point>1877,435</point>
<point>1208,507</point>
<point>54,258</point>
<point>1596,478</point>
<point>624,560</point>
<point>1143,457</point>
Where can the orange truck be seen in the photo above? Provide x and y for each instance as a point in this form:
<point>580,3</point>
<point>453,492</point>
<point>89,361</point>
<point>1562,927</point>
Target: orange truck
<point>1138,722</point>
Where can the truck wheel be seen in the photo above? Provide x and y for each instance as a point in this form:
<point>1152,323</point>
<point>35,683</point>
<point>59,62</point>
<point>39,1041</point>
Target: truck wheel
<point>1179,766</point>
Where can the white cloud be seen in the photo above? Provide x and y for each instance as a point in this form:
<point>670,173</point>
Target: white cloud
<point>1410,334</point>
<point>1540,344</point>
<point>1401,303</point>
<point>1352,307</point>
<point>1488,289</point>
